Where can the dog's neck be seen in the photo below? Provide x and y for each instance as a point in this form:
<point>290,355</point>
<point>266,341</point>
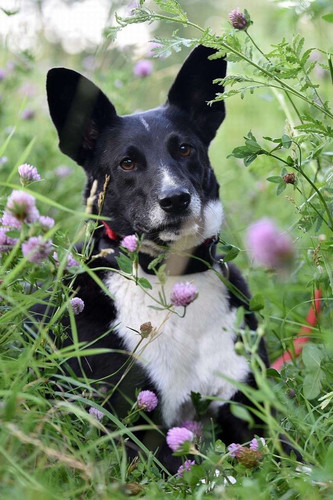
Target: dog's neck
<point>194,260</point>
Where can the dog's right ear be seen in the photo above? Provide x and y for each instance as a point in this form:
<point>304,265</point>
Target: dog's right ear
<point>79,111</point>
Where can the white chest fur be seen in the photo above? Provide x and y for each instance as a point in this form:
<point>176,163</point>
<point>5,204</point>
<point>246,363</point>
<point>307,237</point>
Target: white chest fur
<point>186,354</point>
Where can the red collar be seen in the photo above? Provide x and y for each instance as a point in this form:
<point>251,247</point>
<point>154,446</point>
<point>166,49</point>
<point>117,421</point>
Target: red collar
<point>110,233</point>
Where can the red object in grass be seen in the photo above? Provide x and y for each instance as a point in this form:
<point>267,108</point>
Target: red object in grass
<point>299,341</point>
<point>110,232</point>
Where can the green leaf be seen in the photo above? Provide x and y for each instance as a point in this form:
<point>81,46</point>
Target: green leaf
<point>230,252</point>
<point>275,179</point>
<point>125,264</point>
<point>328,17</point>
<point>242,413</point>
<point>257,302</point>
<point>200,404</point>
<point>286,141</point>
<point>312,384</point>
<point>172,7</point>
<point>312,356</point>
<point>145,283</point>
<point>281,187</point>
<point>270,372</point>
<point>249,159</point>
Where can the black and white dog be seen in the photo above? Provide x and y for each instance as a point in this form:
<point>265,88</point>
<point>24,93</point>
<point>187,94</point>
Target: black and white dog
<point>161,187</point>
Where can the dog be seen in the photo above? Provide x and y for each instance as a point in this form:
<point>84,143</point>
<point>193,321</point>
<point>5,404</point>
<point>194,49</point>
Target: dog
<point>162,188</point>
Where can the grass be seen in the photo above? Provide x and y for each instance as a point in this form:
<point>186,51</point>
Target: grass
<point>50,446</point>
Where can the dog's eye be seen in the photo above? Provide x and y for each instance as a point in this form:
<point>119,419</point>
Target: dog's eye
<point>127,164</point>
<point>185,149</point>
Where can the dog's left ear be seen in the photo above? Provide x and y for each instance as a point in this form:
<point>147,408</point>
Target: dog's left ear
<point>194,87</point>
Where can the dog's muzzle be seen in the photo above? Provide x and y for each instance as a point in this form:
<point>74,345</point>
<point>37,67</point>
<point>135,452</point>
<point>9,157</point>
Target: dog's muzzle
<point>175,200</point>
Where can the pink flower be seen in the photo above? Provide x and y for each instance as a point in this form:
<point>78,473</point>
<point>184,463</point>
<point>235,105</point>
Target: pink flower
<point>96,413</point>
<point>143,68</point>
<point>77,305</point>
<point>235,449</point>
<point>268,245</point>
<point>28,173</point>
<point>183,294</point>
<point>130,243</point>
<point>147,400</point>
<point>28,114</point>
<point>22,206</point>
<point>186,467</point>
<point>177,436</point>
<point>9,220</point>
<point>238,19</point>
<point>254,445</point>
<point>6,242</point>
<point>193,426</point>
<point>63,171</point>
<point>46,222</point>
<point>36,249</point>
<point>71,262</point>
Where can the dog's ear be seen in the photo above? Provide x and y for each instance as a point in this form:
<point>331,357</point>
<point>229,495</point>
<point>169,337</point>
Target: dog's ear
<point>194,87</point>
<point>79,111</point>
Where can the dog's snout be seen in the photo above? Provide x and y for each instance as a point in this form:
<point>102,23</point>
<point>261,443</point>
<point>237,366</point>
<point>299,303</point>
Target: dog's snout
<point>175,200</point>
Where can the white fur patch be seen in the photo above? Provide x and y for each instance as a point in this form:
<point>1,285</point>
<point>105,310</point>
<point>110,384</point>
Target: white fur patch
<point>145,124</point>
<point>185,354</point>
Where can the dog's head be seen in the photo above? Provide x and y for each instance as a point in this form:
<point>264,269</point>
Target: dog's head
<point>161,182</point>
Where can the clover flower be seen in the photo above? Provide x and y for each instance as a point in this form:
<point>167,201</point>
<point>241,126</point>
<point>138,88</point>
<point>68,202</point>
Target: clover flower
<point>6,242</point>
<point>249,458</point>
<point>130,243</point>
<point>46,222</point>
<point>183,294</point>
<point>143,68</point>
<point>36,249</point>
<point>71,262</point>
<point>96,413</point>
<point>63,171</point>
<point>177,436</point>
<point>28,114</point>
<point>10,221</point>
<point>254,445</point>
<point>77,305</point>
<point>235,449</point>
<point>28,173</point>
<point>193,426</point>
<point>186,467</point>
<point>238,19</point>
<point>22,206</point>
<point>268,245</point>
<point>147,401</point>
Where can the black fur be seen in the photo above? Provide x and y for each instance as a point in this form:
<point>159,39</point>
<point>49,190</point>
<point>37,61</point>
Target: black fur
<point>91,132</point>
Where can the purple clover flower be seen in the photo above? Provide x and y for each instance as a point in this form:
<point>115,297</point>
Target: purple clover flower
<point>96,413</point>
<point>147,401</point>
<point>9,220</point>
<point>3,159</point>
<point>2,74</point>
<point>22,206</point>
<point>238,19</point>
<point>28,173</point>
<point>268,245</point>
<point>254,445</point>
<point>63,171</point>
<point>28,114</point>
<point>186,467</point>
<point>77,305</point>
<point>36,249</point>
<point>177,436</point>
<point>143,68</point>
<point>235,449</point>
<point>71,262</point>
<point>6,242</point>
<point>182,294</point>
<point>193,426</point>
<point>46,222</point>
<point>130,243</point>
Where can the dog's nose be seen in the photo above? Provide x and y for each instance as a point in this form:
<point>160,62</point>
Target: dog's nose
<point>175,200</point>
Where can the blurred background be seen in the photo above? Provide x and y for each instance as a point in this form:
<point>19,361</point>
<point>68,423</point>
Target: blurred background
<point>39,34</point>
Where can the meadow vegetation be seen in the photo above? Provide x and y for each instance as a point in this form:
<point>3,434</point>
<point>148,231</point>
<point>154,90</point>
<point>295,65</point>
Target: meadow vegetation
<point>273,159</point>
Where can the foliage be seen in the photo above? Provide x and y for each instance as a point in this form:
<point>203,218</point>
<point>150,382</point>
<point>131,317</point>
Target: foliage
<point>50,446</point>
